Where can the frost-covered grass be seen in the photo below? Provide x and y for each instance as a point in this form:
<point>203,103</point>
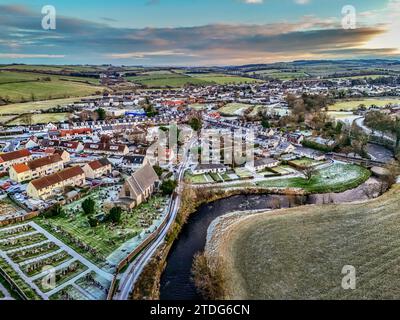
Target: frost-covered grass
<point>300,253</point>
<point>336,178</point>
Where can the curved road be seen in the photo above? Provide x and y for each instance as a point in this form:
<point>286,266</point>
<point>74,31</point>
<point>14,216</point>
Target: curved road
<point>131,275</point>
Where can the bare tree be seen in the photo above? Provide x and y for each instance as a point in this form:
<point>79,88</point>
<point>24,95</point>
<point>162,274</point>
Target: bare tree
<point>27,119</point>
<point>309,172</point>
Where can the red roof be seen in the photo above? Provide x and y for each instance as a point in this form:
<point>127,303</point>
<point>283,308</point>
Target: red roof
<point>14,155</point>
<point>19,168</point>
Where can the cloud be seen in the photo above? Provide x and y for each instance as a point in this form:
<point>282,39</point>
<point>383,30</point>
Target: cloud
<point>29,56</point>
<point>253,1</point>
<point>82,41</point>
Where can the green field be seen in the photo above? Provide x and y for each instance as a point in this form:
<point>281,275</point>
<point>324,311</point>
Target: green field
<point>300,253</point>
<point>235,109</point>
<point>49,68</point>
<point>336,178</point>
<point>24,86</point>
<point>42,118</point>
<point>166,80</point>
<point>222,78</point>
<point>281,74</point>
<point>305,162</point>
<point>17,108</point>
<point>354,104</point>
<point>197,179</point>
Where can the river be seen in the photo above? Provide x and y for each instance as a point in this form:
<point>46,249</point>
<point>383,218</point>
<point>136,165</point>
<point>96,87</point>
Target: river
<point>176,283</point>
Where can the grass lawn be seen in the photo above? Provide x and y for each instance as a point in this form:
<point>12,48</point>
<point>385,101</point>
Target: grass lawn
<point>198,106</point>
<point>235,109</point>
<point>336,178</point>
<point>106,237</point>
<point>196,179</point>
<point>300,253</point>
<point>243,173</point>
<point>353,104</point>
<point>215,177</point>
<point>25,86</point>
<point>305,162</point>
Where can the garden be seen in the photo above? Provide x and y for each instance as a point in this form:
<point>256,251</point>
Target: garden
<point>336,178</point>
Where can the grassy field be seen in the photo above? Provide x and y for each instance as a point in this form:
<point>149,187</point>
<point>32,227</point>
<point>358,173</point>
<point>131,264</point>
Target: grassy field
<point>49,68</point>
<point>43,118</point>
<point>17,108</point>
<point>282,75</point>
<point>235,109</point>
<point>305,162</point>
<point>336,178</point>
<point>222,78</point>
<point>166,80</point>
<point>25,86</point>
<point>353,104</point>
<point>300,253</point>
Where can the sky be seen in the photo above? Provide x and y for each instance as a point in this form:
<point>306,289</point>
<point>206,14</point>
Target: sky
<point>196,32</point>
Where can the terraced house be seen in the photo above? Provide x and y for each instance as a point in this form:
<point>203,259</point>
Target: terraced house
<point>70,146</point>
<point>36,168</point>
<point>49,186</point>
<point>106,148</point>
<point>98,168</point>
<point>10,158</point>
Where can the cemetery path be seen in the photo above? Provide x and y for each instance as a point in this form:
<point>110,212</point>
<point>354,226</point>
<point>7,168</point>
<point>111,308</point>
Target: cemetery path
<point>5,292</point>
<point>72,252</point>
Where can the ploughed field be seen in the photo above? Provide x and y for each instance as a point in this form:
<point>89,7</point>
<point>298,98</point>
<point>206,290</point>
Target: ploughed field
<point>300,253</point>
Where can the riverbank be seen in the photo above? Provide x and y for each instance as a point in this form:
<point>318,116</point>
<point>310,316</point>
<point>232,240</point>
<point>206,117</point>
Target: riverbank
<point>299,253</point>
<point>148,285</point>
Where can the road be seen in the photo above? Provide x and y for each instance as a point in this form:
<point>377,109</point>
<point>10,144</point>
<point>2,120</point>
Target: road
<point>131,275</point>
<point>360,123</point>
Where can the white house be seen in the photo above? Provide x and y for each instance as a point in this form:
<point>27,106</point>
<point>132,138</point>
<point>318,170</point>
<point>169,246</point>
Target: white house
<point>209,168</point>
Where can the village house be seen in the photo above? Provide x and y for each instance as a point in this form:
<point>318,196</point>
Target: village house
<point>98,168</point>
<point>295,138</point>
<point>70,146</point>
<point>10,158</point>
<point>32,143</point>
<point>65,156</point>
<point>135,161</point>
<point>284,147</point>
<point>48,186</point>
<point>106,148</point>
<point>209,168</point>
<point>36,168</point>
<point>139,187</point>
<point>262,164</point>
